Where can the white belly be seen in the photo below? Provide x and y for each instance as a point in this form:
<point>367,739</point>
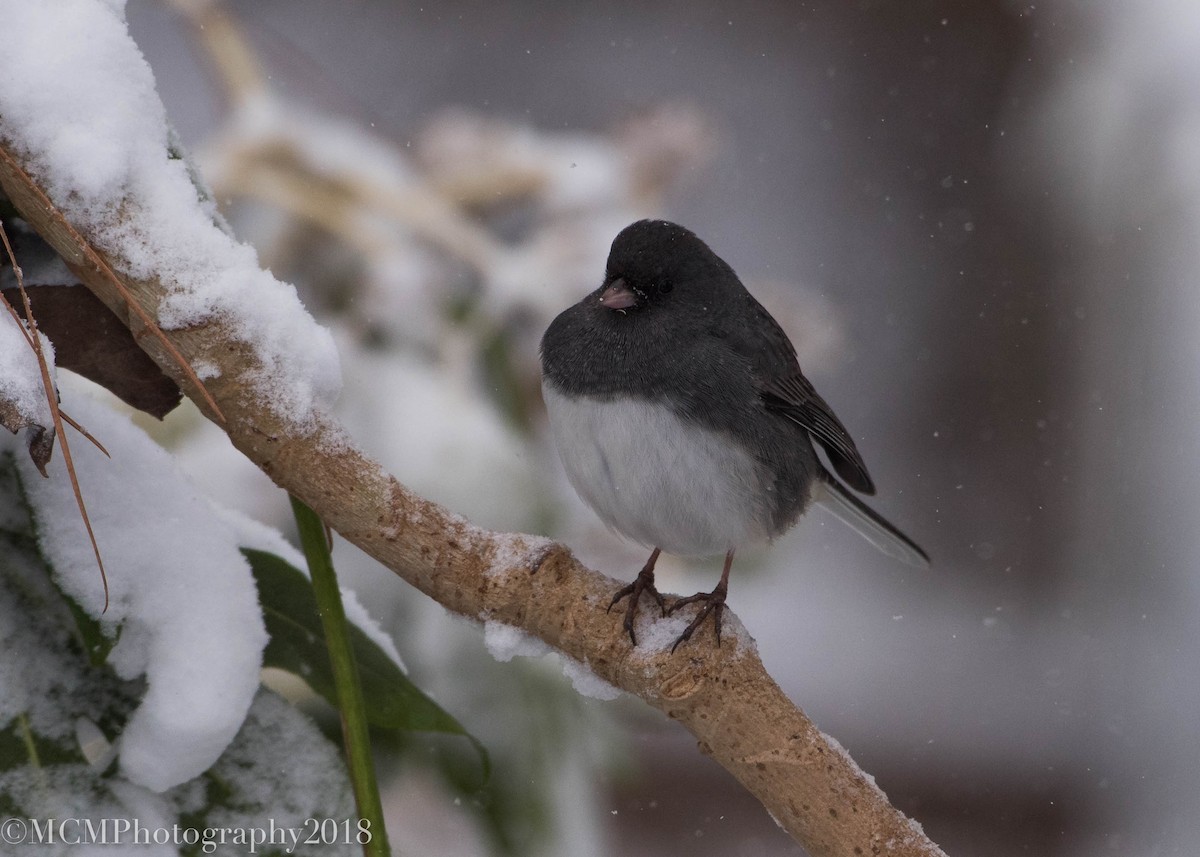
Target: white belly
<point>657,480</point>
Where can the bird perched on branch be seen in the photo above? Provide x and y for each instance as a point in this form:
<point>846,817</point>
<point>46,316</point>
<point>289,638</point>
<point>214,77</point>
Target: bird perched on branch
<point>682,417</point>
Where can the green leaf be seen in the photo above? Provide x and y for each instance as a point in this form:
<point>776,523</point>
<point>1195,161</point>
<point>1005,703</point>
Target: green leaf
<point>19,544</point>
<point>297,645</point>
<point>19,746</point>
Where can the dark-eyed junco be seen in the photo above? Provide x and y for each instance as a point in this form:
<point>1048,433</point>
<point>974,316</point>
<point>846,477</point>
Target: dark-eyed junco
<point>682,417</point>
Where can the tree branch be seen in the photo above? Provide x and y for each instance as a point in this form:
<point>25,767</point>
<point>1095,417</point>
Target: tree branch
<point>723,695</point>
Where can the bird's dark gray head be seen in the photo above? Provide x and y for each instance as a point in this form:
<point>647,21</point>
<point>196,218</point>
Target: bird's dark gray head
<point>650,259</point>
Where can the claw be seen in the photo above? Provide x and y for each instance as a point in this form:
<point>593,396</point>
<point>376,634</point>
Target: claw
<point>644,582</point>
<point>714,604</point>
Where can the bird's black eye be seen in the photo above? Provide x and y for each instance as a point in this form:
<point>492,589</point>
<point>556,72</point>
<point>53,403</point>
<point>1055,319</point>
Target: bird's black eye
<point>665,287</point>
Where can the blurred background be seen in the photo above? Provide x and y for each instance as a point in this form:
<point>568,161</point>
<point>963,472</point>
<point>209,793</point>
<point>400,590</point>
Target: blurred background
<point>979,223</point>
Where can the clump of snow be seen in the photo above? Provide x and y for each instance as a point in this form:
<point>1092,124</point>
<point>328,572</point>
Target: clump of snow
<point>505,642</point>
<point>657,634</point>
<point>36,681</point>
<point>78,100</point>
<point>277,775</point>
<point>21,384</point>
<point>69,59</point>
<point>297,775</point>
<point>182,597</point>
<point>69,792</point>
<point>586,682</point>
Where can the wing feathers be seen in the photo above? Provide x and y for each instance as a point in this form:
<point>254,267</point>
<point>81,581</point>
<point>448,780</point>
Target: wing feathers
<point>868,523</point>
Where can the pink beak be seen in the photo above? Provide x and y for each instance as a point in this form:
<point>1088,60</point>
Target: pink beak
<point>618,295</point>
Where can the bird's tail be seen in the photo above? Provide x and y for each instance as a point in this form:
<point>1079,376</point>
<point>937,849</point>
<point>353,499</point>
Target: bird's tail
<point>867,522</point>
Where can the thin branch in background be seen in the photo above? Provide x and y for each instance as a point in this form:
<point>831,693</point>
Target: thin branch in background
<point>272,169</point>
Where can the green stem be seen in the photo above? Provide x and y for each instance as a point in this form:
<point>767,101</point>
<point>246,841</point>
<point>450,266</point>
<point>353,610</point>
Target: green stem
<point>345,676</point>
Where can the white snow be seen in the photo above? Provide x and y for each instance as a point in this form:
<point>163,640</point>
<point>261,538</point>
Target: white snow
<point>657,634</point>
<point>20,377</point>
<point>357,615</point>
<point>297,775</point>
<point>257,536</point>
<point>78,100</point>
<point>182,596</point>
<point>280,772</point>
<point>586,682</point>
<point>505,642</point>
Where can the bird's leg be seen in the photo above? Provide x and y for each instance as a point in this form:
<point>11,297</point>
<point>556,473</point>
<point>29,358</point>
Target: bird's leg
<point>644,582</point>
<point>714,603</point>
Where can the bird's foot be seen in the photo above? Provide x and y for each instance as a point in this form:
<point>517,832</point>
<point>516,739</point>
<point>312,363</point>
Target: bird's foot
<point>714,605</point>
<point>643,583</point>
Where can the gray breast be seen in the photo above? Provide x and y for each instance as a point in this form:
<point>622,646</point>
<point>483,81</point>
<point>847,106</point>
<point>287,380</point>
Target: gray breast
<point>658,480</point>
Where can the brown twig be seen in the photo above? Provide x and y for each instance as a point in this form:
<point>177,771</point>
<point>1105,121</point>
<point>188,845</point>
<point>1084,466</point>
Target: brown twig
<point>52,400</point>
<point>83,431</point>
<point>83,250</point>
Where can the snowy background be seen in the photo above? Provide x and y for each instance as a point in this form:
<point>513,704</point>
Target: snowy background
<point>979,223</point>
